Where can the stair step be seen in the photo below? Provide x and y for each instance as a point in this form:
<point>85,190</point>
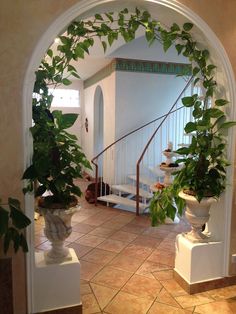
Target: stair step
<point>113,198</point>
<point>127,188</point>
<point>142,179</point>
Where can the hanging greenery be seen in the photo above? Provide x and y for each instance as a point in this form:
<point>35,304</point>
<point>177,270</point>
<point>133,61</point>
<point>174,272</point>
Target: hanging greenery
<point>57,159</point>
<point>12,225</point>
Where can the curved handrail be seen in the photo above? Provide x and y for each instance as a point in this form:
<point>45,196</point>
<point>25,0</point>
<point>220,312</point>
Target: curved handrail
<point>164,117</point>
<point>150,140</point>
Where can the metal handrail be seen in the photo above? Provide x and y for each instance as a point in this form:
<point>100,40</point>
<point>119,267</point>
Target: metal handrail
<point>150,140</point>
<point>164,117</point>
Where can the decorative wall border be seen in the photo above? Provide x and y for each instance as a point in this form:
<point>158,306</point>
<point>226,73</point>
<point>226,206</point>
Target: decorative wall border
<point>139,66</point>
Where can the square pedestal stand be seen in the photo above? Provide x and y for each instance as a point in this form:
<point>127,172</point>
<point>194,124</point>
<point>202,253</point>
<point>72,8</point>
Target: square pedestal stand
<point>196,263</point>
<point>56,286</point>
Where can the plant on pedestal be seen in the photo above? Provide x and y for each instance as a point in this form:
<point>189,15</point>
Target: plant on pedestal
<point>58,160</point>
<point>204,163</point>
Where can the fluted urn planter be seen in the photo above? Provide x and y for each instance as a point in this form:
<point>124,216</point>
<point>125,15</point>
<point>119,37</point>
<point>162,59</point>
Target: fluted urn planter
<point>57,230</point>
<point>197,215</point>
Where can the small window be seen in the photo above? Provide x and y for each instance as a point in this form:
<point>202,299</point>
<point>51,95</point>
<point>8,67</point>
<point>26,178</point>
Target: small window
<point>65,97</point>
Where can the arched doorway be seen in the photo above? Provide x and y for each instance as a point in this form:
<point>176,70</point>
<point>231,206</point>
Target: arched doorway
<point>168,10</point>
<point>98,126</point>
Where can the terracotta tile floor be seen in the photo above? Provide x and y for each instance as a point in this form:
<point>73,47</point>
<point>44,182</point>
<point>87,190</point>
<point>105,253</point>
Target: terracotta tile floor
<point>127,266</point>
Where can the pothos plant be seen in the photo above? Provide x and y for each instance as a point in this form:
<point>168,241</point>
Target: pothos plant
<point>12,224</point>
<point>57,159</point>
<point>203,162</point>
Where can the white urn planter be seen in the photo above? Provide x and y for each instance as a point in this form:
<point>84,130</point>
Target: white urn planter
<point>197,215</point>
<point>57,230</point>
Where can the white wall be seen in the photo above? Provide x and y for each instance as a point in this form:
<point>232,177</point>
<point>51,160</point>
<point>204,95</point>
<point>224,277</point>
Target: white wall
<point>142,97</point>
<point>108,89</point>
<point>131,100</point>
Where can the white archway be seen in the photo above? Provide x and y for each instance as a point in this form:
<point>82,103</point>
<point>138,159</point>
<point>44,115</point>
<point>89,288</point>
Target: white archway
<point>98,110</point>
<point>84,8</point>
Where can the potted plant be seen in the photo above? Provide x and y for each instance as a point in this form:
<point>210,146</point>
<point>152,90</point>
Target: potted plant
<point>202,177</point>
<point>57,161</point>
<point>57,158</point>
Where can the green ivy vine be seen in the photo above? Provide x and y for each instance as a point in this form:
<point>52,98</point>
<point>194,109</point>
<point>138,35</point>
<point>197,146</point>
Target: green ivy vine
<point>55,164</point>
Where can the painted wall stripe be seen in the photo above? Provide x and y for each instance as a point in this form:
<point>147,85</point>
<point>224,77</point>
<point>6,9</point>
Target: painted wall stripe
<point>139,66</point>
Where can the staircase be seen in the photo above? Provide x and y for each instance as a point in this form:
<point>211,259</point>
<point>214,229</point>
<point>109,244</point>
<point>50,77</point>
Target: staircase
<point>131,169</point>
<point>123,195</point>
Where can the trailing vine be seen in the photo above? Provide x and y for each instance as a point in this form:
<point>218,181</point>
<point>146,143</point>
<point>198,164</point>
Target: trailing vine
<point>204,160</point>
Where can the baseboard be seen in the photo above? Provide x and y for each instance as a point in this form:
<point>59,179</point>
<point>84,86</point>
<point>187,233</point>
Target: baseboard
<point>68,310</point>
<point>205,285</point>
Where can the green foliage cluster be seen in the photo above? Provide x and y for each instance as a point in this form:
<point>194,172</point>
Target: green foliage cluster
<point>13,222</point>
<point>57,159</point>
<point>203,171</point>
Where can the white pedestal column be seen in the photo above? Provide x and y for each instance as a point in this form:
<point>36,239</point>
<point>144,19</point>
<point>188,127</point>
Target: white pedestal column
<point>197,262</point>
<point>56,285</point>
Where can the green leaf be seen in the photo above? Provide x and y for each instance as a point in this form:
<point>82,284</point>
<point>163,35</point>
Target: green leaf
<point>197,112</point>
<point>64,40</point>
<point>104,44</point>
<point>23,243</point>
<point>75,75</point>
<point>187,26</point>
<point>175,27</point>
<point>98,17</point>
<point>76,190</point>
<point>180,203</point>
<point>227,125</point>
<point>109,16</point>
<point>203,126</point>
<point>210,67</point>
<point>50,53</point>
<point>67,120</point>
<point>190,127</point>
<point>19,219</point>
<point>183,151</point>
<point>149,35</point>
<point>110,39</point>
<point>167,44</point>
<point>205,54</point>
<point>221,102</point>
<point>125,11</point>
<point>170,211</point>
<point>196,70</point>
<point>196,80</point>
<point>66,82</point>
<point>79,51</point>
<point>71,68</point>
<point>214,113</point>
<point>4,217</point>
<point>30,173</point>
<point>179,48</point>
<point>188,101</point>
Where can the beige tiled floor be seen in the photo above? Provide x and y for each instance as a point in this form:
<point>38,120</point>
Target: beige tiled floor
<point>127,266</point>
